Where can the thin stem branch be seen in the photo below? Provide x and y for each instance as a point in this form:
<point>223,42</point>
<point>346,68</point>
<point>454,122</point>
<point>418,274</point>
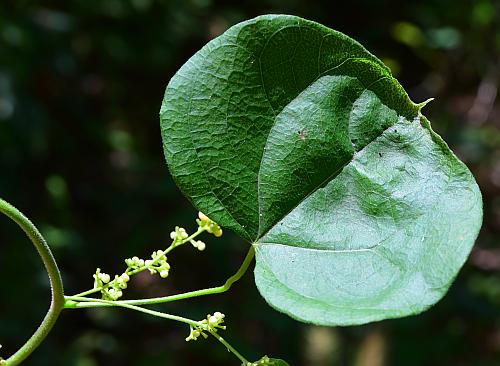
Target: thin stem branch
<point>229,347</point>
<point>159,314</point>
<point>88,292</point>
<point>160,300</point>
<point>140,309</point>
<point>57,290</point>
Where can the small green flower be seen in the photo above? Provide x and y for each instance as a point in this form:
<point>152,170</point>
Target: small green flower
<point>216,319</point>
<point>210,226</point>
<point>164,273</point>
<point>194,333</point>
<point>212,323</point>
<point>178,235</point>
<point>134,263</point>
<point>100,278</point>
<point>198,244</point>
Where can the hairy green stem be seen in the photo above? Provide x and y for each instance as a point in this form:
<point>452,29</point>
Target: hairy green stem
<point>57,301</point>
<point>92,303</point>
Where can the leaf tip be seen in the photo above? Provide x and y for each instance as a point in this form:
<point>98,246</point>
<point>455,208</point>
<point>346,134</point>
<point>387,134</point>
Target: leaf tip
<point>424,103</point>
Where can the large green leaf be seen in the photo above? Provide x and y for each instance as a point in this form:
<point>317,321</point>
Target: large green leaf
<point>301,141</point>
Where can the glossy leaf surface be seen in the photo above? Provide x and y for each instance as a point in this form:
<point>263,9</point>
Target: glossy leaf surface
<point>301,141</point>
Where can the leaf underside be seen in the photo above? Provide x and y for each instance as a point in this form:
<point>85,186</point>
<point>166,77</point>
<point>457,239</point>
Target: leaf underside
<point>298,139</point>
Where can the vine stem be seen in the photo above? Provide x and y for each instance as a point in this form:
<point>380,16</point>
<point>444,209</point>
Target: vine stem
<point>92,303</point>
<point>59,301</point>
<point>56,285</point>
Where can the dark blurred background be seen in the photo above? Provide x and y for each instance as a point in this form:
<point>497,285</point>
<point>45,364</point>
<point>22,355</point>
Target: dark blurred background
<point>81,83</point>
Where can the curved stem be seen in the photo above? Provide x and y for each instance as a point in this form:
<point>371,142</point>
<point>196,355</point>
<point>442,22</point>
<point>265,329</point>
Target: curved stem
<point>57,302</point>
<point>90,303</point>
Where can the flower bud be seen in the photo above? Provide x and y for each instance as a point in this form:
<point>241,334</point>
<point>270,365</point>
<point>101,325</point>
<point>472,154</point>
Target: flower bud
<point>164,273</point>
<point>213,320</point>
<point>203,217</point>
<point>104,277</point>
<point>199,245</point>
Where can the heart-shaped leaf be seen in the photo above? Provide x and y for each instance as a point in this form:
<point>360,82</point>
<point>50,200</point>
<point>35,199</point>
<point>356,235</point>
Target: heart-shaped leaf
<point>301,141</point>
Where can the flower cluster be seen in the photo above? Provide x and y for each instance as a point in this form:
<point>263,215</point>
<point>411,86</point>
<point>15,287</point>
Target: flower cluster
<point>210,226</point>
<point>212,323</point>
<point>113,289</point>
<point>157,264</point>
<point>134,263</point>
<point>110,290</point>
<point>178,235</point>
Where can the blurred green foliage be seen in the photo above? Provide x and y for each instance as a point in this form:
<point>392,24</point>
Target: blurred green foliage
<point>81,83</point>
